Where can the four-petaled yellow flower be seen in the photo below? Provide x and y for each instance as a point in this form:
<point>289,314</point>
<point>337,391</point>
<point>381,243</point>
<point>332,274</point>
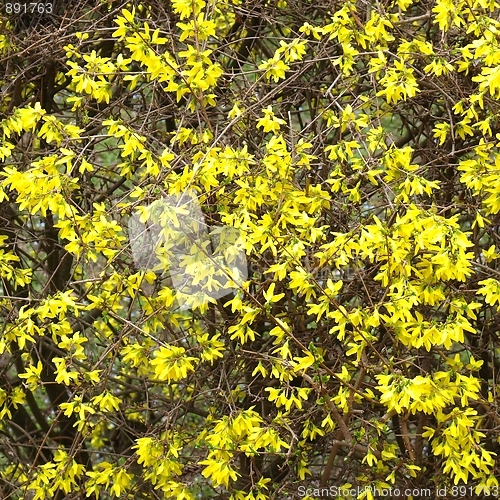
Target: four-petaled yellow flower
<point>269,122</point>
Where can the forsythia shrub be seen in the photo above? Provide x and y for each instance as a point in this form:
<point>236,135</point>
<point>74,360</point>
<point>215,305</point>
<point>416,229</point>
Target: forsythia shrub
<point>353,145</point>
